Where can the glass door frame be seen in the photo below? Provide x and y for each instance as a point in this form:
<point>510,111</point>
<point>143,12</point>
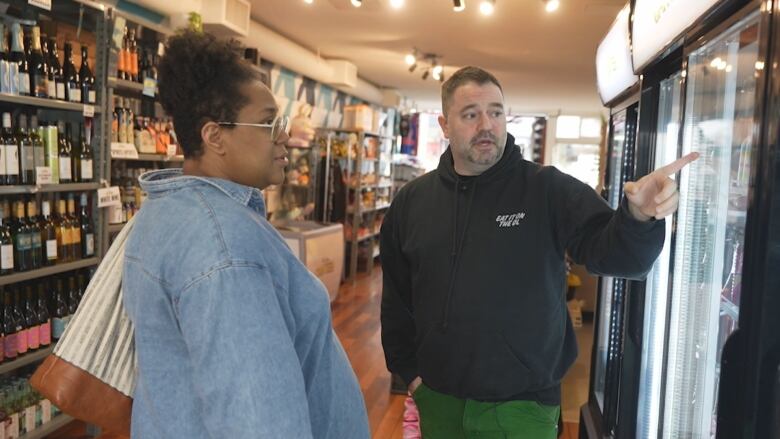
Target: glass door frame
<point>710,29</point>
<point>628,409</point>
<point>592,416</point>
<point>749,397</point>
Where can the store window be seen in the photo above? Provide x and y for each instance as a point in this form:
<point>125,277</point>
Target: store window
<point>522,129</point>
<point>577,147</point>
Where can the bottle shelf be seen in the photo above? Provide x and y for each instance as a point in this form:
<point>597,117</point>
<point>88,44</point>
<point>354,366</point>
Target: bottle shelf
<point>24,360</point>
<point>48,428</point>
<point>46,103</point>
<point>66,187</point>
<point>116,228</point>
<point>121,84</point>
<point>47,271</point>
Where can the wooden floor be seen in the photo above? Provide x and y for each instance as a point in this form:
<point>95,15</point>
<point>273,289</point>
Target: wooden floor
<point>356,320</point>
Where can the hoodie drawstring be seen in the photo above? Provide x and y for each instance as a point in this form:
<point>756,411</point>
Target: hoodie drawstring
<point>457,247</point>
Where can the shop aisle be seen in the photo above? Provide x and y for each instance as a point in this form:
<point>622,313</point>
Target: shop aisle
<point>356,320</point>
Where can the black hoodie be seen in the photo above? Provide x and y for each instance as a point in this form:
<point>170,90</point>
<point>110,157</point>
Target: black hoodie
<point>473,297</point>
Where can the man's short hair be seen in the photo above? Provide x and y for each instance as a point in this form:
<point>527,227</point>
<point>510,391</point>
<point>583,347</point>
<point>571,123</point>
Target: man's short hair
<point>462,77</point>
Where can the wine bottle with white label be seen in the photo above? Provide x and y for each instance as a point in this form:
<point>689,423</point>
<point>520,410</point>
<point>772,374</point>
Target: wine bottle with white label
<point>71,76</point>
<point>11,150</point>
<point>6,246</point>
<point>48,235</point>
<point>88,92</point>
<point>64,154</point>
<point>86,161</point>
<point>87,230</point>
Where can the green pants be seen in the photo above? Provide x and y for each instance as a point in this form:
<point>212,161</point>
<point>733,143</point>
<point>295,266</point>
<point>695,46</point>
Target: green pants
<point>446,417</point>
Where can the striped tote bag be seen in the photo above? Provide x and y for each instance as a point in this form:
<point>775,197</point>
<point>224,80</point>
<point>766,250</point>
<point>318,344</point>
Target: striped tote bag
<point>91,373</point>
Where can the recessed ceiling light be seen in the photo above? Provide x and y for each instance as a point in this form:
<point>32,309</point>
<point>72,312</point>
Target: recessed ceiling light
<point>397,4</point>
<point>458,5</point>
<point>552,5</point>
<point>487,7</point>
<point>410,59</point>
<point>308,2</point>
<point>356,3</point>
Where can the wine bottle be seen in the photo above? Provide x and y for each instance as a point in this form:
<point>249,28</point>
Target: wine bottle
<point>22,240</point>
<point>44,318</point>
<point>9,326</point>
<point>26,152</point>
<point>34,229</point>
<point>88,92</point>
<point>64,154</point>
<point>6,246</point>
<point>61,315</point>
<point>39,76</point>
<point>71,76</point>
<point>20,74</point>
<point>11,152</point>
<point>55,70</point>
<point>85,157</point>
<point>48,235</point>
<point>31,320</point>
<point>87,230</point>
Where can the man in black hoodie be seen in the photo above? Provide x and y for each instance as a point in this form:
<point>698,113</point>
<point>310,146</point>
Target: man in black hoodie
<point>473,311</point>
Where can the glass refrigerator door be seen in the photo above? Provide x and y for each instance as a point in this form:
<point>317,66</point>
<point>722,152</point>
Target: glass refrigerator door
<point>617,151</point>
<point>707,266</point>
<point>657,290</point>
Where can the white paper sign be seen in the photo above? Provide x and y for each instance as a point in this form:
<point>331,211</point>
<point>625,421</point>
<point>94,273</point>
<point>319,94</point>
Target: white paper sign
<point>46,409</point>
<point>109,196</point>
<point>658,23</point>
<point>89,110</point>
<point>43,4</point>
<point>123,151</point>
<point>614,72</point>
<point>150,87</point>
<point>43,175</point>
<point>171,151</point>
<point>119,30</point>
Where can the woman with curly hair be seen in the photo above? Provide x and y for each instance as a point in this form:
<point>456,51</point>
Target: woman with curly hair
<point>233,334</point>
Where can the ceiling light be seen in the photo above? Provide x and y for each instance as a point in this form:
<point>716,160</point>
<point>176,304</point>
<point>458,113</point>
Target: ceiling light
<point>552,5</point>
<point>425,74</point>
<point>356,3</point>
<point>458,5</point>
<point>487,7</point>
<point>308,2</point>
<point>410,59</point>
<point>397,4</point>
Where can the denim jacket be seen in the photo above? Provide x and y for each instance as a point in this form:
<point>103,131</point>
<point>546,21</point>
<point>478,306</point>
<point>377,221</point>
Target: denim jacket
<point>233,334</point>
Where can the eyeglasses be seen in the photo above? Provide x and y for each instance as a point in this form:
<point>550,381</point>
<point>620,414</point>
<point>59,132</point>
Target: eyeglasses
<point>280,124</point>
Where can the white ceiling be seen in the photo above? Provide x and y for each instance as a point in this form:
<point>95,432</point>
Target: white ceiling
<point>544,61</point>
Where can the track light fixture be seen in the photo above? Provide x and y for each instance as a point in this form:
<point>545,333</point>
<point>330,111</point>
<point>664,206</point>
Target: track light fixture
<point>551,5</point>
<point>487,7</point>
<point>356,3</point>
<point>437,71</point>
<point>427,61</point>
<point>458,5</point>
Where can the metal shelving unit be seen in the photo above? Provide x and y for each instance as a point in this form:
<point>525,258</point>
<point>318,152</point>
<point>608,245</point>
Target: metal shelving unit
<point>48,428</point>
<point>24,360</point>
<point>48,271</point>
<point>53,104</point>
<point>48,188</point>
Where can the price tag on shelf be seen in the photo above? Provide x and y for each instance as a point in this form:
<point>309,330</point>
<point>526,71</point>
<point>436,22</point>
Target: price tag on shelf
<point>171,151</point>
<point>109,196</point>
<point>45,411</point>
<point>43,4</point>
<point>150,87</point>
<point>43,175</point>
<point>123,151</point>
<point>119,29</point>
<point>89,111</point>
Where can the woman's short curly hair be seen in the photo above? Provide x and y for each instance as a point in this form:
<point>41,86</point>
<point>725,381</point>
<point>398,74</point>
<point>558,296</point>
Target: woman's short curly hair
<point>200,80</point>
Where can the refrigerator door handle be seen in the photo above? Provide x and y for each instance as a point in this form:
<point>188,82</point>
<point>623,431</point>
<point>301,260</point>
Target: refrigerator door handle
<point>731,386</point>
